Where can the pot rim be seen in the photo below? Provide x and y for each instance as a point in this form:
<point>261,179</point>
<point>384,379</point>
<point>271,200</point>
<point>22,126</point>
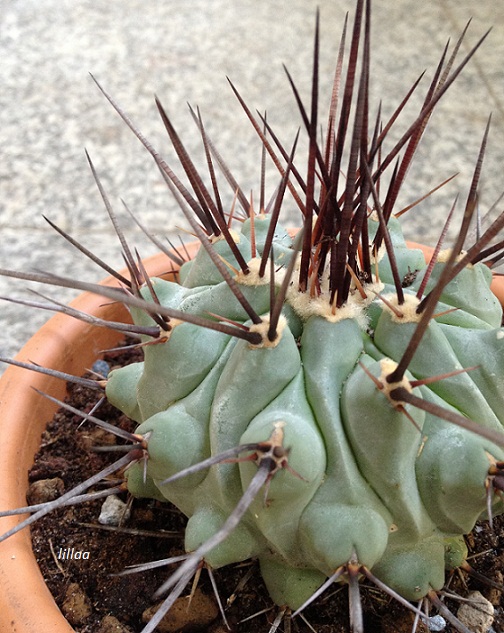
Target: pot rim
<point>23,410</point>
<point>53,345</point>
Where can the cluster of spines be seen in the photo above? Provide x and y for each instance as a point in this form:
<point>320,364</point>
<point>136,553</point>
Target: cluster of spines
<point>334,238</point>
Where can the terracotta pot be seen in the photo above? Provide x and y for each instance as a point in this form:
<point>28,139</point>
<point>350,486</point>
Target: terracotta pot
<point>26,605</point>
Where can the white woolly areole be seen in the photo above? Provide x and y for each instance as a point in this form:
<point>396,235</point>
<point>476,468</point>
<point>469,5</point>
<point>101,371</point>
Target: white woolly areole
<point>444,255</point>
<point>407,309</point>
<point>219,238</point>
<point>164,335</point>
<point>252,278</point>
<point>263,328</point>
<point>387,367</point>
<point>306,305</point>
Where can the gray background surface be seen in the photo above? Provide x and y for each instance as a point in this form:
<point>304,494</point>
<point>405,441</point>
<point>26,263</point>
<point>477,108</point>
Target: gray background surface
<point>50,110</point>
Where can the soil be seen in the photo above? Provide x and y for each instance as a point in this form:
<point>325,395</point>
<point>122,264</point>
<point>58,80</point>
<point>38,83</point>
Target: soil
<point>95,601</point>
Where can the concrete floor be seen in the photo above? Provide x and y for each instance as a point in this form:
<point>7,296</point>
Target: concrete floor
<point>50,110</point>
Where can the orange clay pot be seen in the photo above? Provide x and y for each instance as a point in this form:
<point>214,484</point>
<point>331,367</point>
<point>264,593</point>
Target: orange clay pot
<point>26,605</point>
<point>63,343</point>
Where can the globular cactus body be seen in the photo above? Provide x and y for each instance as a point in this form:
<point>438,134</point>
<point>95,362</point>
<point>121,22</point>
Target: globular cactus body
<point>371,485</point>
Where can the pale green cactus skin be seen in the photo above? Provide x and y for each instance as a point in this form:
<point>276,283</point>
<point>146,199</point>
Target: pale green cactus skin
<point>373,486</point>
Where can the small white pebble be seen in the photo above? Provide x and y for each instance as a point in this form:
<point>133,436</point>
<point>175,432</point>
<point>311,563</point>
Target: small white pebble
<point>477,614</point>
<point>113,511</point>
<point>436,623</point>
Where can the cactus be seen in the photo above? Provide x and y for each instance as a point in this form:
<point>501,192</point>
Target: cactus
<point>326,402</point>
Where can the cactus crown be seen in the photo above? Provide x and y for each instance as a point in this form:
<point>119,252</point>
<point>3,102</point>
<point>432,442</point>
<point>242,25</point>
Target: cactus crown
<point>357,386</point>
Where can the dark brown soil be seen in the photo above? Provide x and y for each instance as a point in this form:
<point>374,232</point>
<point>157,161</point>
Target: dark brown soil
<point>66,454</point>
